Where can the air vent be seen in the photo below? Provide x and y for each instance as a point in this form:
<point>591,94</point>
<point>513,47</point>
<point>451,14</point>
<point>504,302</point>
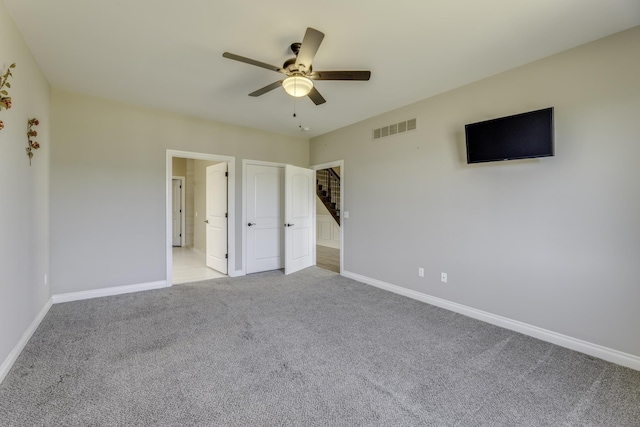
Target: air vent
<point>395,129</point>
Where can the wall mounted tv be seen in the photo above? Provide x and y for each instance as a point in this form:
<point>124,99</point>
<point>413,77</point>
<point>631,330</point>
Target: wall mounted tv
<point>522,136</point>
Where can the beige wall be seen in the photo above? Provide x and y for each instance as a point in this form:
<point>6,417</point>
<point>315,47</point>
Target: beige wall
<point>108,185</point>
<point>321,209</point>
<point>190,202</point>
<point>179,166</point>
<point>552,242</point>
<point>24,194</point>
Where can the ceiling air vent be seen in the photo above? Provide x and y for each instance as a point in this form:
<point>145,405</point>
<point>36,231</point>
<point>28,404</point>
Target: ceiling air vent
<point>395,129</point>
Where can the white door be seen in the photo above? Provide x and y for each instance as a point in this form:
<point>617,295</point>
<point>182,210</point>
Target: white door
<point>176,212</point>
<point>299,196</point>
<point>265,217</point>
<point>216,222</point>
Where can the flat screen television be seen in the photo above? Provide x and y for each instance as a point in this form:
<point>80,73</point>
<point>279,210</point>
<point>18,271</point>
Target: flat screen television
<point>521,136</point>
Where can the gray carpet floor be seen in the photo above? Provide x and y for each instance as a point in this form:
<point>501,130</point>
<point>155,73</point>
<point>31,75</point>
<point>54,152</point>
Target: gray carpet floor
<point>310,349</point>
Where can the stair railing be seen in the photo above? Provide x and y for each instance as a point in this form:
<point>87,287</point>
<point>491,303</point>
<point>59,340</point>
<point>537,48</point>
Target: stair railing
<point>328,190</point>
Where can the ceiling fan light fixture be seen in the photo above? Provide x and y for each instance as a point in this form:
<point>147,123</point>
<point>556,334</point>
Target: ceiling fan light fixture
<point>297,86</point>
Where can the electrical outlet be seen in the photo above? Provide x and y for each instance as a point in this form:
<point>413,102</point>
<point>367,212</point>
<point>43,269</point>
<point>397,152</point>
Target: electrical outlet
<point>443,277</point>
<point>421,272</point>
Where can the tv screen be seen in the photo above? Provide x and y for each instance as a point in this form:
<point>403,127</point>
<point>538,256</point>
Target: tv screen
<point>522,136</point>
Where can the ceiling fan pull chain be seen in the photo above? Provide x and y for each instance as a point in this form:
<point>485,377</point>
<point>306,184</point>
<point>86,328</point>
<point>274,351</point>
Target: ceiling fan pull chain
<point>299,120</point>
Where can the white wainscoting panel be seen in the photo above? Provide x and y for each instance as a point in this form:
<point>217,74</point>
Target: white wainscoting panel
<point>327,231</point>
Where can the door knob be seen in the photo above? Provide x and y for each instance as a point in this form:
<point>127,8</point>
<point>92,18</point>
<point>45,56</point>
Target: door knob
<point>206,221</point>
<point>289,225</point>
<point>251,223</point>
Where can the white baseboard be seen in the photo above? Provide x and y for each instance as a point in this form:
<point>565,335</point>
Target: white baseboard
<point>605,353</point>
<point>236,273</point>
<point>328,243</point>
<point>105,292</point>
<point>11,358</point>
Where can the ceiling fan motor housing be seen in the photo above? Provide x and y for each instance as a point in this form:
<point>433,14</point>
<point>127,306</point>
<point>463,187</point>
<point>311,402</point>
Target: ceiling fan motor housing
<point>291,69</point>
<point>299,71</point>
<point>295,48</point>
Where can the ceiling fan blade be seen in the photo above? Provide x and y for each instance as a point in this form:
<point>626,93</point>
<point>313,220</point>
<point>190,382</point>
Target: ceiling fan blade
<point>252,62</point>
<point>340,75</point>
<point>316,97</point>
<point>266,89</point>
<point>308,48</point>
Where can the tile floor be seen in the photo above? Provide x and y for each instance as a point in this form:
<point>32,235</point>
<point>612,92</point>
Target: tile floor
<point>189,266</point>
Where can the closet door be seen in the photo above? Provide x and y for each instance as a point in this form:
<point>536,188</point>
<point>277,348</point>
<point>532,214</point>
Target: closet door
<point>265,217</point>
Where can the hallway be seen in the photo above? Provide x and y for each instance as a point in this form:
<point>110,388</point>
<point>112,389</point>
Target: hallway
<point>189,266</point>
<point>328,258</point>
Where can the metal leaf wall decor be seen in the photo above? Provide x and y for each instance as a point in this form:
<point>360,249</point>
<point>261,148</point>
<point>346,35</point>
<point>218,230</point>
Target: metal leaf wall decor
<point>5,99</point>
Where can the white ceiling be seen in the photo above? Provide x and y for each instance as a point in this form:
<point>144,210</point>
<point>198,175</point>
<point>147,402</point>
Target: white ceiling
<point>168,54</point>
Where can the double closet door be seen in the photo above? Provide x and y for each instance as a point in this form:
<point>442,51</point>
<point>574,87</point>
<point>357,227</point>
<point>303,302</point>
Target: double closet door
<point>280,218</point>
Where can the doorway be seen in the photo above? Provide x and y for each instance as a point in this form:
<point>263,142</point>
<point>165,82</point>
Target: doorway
<point>189,262</point>
<point>329,216</point>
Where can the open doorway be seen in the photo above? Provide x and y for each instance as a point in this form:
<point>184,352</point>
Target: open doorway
<point>329,207</point>
<point>200,256</point>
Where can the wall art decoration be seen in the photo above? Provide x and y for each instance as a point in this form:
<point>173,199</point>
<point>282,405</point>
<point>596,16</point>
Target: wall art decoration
<point>5,99</point>
<point>32,133</point>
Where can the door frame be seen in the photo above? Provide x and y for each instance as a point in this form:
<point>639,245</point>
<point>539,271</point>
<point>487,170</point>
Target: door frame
<point>339,163</point>
<point>231,235</point>
<point>246,162</point>
<point>183,213</point>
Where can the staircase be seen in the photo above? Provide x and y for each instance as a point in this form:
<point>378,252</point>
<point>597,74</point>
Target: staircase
<point>328,190</point>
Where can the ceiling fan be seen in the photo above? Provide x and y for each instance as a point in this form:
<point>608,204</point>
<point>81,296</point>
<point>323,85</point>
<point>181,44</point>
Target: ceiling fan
<point>300,75</point>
